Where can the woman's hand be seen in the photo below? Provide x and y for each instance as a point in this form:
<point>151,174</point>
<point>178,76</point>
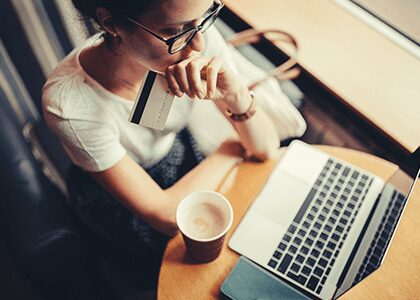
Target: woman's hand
<point>203,77</point>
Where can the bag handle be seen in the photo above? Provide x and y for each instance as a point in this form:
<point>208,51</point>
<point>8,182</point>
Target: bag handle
<point>288,69</point>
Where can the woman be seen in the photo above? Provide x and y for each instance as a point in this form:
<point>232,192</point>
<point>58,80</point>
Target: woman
<point>128,179</point>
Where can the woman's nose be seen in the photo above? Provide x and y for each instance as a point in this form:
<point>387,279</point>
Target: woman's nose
<point>197,43</point>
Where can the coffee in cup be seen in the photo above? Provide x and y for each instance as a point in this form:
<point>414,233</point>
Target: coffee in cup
<point>204,218</point>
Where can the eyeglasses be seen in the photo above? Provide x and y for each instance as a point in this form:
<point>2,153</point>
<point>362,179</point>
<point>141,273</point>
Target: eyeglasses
<point>180,41</point>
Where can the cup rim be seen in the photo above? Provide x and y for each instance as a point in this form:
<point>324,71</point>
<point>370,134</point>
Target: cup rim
<point>212,238</point>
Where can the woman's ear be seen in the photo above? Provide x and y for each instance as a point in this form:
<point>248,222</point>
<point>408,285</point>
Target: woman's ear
<point>105,21</point>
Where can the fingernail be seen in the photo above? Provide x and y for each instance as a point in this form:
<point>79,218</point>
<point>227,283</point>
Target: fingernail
<point>201,95</point>
<point>179,93</point>
<point>211,94</point>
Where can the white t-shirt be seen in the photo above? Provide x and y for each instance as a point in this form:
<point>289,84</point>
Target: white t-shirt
<point>92,123</point>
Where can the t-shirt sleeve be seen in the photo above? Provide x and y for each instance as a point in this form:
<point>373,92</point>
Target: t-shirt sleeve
<point>92,145</point>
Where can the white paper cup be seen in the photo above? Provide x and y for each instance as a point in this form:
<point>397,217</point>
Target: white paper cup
<point>204,218</point>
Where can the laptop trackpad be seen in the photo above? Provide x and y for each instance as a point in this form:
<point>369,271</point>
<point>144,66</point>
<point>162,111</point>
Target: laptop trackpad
<point>281,198</point>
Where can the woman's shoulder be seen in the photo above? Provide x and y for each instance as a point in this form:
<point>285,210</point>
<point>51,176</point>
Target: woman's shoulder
<point>66,86</point>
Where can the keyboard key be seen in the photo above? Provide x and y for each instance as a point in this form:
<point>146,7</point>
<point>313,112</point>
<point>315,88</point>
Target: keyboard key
<point>305,206</point>
<point>287,238</point>
<point>313,233</point>
<point>277,254</point>
<point>300,258</point>
<point>347,213</point>
<point>328,271</point>
<point>309,241</point>
<point>285,263</point>
<point>319,244</point>
<point>355,174</point>
<point>310,217</point>
<point>292,229</point>
<point>381,243</point>
<point>297,278</point>
<point>297,241</point>
<point>346,171</point>
<point>332,220</point>
<point>317,225</point>
<point>323,279</point>
<point>293,276</point>
<point>319,289</point>
<point>327,253</point>
<point>339,229</point>
<point>312,283</point>
<point>328,228</point>
<point>293,249</point>
<point>304,250</point>
<point>282,246</point>
<point>323,236</point>
<point>322,262</point>
<point>302,279</point>
<point>301,232</point>
<point>272,263</point>
<point>310,262</point>
<point>315,253</point>
<point>343,221</point>
<point>306,270</point>
<point>318,271</point>
<point>374,260</point>
<point>321,218</point>
<point>331,245</point>
<point>295,268</point>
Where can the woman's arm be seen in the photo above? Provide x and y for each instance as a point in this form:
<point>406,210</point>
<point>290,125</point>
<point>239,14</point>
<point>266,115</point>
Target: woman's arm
<point>135,189</point>
<point>257,134</point>
<point>208,77</point>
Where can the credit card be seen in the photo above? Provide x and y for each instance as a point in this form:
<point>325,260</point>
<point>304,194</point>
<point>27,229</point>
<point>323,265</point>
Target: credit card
<point>153,104</point>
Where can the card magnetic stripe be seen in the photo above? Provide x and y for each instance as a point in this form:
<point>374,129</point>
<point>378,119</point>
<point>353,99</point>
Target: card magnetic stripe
<point>144,96</point>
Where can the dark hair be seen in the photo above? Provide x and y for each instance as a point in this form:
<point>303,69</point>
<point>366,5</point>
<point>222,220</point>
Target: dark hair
<point>119,9</point>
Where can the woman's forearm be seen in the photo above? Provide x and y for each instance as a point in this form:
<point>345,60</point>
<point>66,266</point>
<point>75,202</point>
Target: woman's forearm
<point>257,134</point>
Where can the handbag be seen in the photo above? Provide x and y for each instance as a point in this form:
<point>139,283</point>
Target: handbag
<point>287,70</point>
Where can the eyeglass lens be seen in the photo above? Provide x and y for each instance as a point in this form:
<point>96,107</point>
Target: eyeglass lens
<point>185,39</point>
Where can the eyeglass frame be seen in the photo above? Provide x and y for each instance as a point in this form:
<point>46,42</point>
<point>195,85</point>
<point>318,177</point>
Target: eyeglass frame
<point>171,41</point>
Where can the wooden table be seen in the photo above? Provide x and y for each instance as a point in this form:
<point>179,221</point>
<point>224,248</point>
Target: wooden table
<point>397,278</point>
<point>370,74</point>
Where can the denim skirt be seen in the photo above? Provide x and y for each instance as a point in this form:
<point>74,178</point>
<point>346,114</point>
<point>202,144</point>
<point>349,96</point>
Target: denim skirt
<point>138,244</point>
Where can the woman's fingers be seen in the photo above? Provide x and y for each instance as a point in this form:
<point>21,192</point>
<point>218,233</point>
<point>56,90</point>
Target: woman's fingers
<point>193,69</point>
<point>187,77</point>
<point>172,83</point>
<point>180,75</point>
<point>212,72</point>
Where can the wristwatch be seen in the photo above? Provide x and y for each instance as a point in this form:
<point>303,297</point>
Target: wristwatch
<point>246,115</point>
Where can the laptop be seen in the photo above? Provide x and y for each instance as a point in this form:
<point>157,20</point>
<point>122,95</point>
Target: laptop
<point>320,223</point>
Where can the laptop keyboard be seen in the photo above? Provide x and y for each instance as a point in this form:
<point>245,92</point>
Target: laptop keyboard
<point>382,236</point>
<point>309,249</point>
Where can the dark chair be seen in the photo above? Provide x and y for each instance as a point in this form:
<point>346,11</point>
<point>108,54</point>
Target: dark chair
<point>37,225</point>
